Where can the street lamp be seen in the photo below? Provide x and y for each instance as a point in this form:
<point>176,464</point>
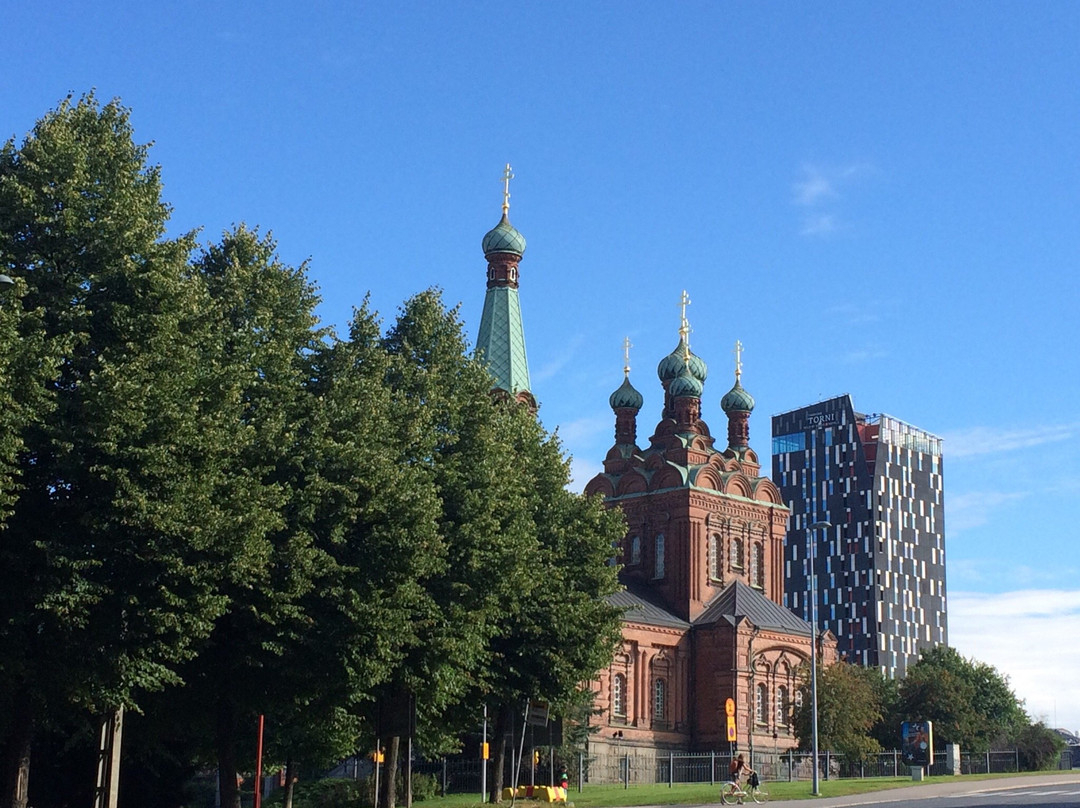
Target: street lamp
<point>813,647</point>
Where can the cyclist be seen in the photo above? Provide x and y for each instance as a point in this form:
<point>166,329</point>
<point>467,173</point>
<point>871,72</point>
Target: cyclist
<point>738,770</point>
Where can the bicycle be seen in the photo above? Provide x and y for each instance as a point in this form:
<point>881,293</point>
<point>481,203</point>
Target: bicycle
<point>732,793</point>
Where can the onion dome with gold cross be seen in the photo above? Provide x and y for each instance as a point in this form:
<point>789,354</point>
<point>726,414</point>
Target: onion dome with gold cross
<point>672,365</point>
<point>504,237</point>
<point>737,399</point>
<point>626,397</point>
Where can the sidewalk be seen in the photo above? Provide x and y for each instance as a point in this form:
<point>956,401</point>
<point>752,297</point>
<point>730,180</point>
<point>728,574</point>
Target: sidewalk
<point>939,790</point>
<point>950,789</point>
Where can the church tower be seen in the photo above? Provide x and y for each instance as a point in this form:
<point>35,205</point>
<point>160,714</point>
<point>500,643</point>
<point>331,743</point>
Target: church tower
<point>500,342</point>
<point>702,564</point>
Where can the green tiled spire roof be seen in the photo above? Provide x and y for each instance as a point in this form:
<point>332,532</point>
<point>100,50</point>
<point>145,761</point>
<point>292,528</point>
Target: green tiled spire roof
<point>500,342</point>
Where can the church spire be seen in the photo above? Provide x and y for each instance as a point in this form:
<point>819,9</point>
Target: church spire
<point>738,404</point>
<point>501,339</point>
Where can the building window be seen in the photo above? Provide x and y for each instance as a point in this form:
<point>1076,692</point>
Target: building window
<point>782,708</point>
<point>736,553</point>
<point>658,557</point>
<point>757,566</point>
<point>635,550</point>
<point>761,704</point>
<point>794,442</point>
<point>660,700</point>
<point>714,557</point>
<point>618,695</point>
<point>798,699</point>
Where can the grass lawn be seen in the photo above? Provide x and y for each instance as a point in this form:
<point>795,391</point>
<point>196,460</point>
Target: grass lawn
<point>614,796</point>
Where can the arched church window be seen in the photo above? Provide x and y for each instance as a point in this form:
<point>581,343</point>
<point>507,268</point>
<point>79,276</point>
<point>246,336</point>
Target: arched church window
<point>635,550</point>
<point>736,553</point>
<point>618,695</point>
<point>660,700</point>
<point>658,556</point>
<point>761,704</point>
<point>715,557</point>
<point>757,566</point>
<point>782,717</point>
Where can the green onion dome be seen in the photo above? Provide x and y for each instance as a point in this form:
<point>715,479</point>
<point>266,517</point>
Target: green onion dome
<point>686,384</point>
<point>626,397</point>
<point>737,400</point>
<point>504,238</point>
<point>673,364</point>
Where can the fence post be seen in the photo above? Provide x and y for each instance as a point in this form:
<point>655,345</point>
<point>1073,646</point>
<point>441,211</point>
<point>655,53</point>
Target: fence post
<point>671,769</point>
<point>862,770</point>
<point>444,777</point>
<point>1016,760</point>
<point>580,771</point>
<point>895,764</point>
<point>988,762</point>
<point>626,770</point>
<point>827,766</point>
<point>712,768</point>
<point>790,765</point>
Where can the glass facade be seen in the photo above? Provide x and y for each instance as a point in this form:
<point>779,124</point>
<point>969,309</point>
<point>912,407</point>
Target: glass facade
<point>880,563</point>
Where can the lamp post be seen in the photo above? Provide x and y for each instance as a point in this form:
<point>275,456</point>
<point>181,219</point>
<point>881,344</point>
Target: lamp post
<point>813,648</point>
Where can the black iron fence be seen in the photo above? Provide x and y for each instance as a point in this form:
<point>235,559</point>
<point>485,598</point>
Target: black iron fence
<point>647,767</point>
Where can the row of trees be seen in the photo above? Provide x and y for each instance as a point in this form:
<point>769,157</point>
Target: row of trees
<point>212,508</point>
<point>971,704</point>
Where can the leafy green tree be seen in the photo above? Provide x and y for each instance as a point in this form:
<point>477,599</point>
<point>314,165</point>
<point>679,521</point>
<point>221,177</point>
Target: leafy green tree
<point>849,706</point>
<point>1038,747</point>
<point>258,331</point>
<point>559,630</point>
<point>109,546</point>
<point>970,703</point>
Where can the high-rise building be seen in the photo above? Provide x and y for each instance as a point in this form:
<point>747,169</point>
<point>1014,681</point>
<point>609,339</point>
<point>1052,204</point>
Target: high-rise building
<point>880,559</point>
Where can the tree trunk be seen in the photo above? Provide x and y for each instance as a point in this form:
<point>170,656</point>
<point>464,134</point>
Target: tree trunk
<point>289,782</point>
<point>503,723</point>
<point>389,783</point>
<point>228,782</point>
<point>16,756</point>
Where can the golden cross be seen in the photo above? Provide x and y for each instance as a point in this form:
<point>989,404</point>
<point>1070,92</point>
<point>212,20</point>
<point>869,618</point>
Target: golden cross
<point>506,177</point>
<point>626,346</point>
<point>738,360</point>
<point>684,325</point>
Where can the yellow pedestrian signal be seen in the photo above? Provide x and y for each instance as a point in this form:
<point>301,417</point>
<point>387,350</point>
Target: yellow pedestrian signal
<point>484,751</point>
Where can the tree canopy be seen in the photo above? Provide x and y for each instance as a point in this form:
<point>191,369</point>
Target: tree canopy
<point>212,508</point>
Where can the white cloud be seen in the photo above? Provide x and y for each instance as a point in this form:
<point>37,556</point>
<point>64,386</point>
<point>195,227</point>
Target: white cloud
<point>581,471</point>
<point>819,187</point>
<point>586,431</point>
<point>985,440</point>
<point>813,187</point>
<point>821,224</point>
<point>1028,635</point>
<point>972,509</point>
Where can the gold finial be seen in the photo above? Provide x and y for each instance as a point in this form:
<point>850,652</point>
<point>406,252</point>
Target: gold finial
<point>506,177</point>
<point>684,325</point>
<point>626,346</point>
<point>738,360</point>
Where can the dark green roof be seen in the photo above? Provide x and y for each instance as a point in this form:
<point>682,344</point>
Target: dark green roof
<point>504,238</point>
<point>626,397</point>
<point>737,600</point>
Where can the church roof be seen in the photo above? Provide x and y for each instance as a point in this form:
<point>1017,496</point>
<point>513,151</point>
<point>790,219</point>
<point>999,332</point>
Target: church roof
<point>501,340</point>
<point>737,600</point>
<point>638,606</point>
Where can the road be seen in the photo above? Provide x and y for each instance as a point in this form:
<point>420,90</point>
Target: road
<point>1040,790</point>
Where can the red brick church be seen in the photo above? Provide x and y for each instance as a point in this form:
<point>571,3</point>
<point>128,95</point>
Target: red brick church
<point>702,563</point>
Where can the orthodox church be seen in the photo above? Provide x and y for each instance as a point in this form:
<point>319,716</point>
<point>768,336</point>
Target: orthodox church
<point>709,657</point>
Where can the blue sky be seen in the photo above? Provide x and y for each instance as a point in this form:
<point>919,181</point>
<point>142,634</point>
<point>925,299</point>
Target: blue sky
<point>879,199</point>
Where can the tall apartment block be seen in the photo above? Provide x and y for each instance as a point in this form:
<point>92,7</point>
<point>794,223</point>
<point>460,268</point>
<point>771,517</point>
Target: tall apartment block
<point>880,561</point>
